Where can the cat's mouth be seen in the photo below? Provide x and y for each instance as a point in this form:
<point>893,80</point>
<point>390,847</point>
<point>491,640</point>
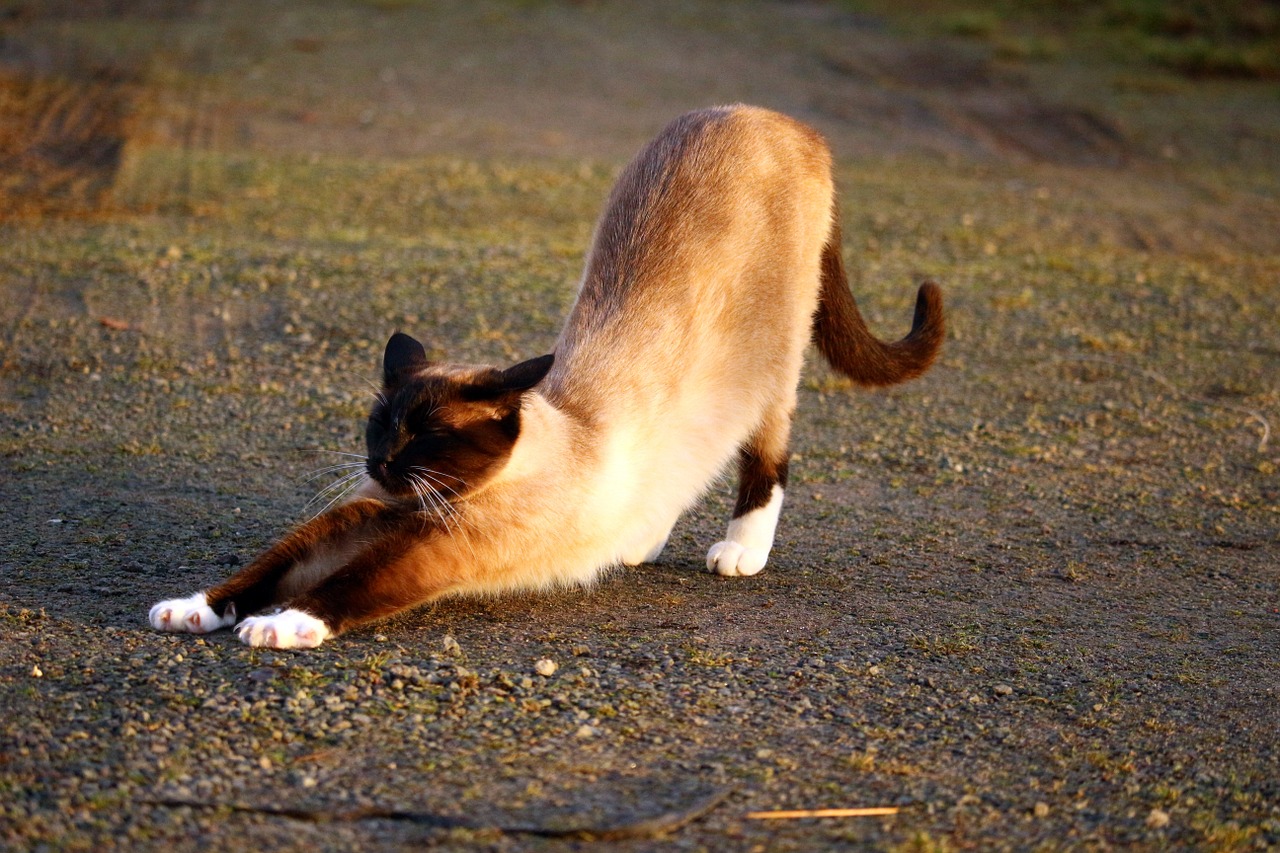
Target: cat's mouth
<point>380,472</point>
<point>410,486</point>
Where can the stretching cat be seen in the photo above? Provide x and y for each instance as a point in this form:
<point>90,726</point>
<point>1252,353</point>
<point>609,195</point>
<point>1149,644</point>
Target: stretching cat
<point>714,262</point>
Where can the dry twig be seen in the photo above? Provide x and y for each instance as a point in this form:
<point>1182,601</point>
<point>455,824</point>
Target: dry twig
<point>870,811</point>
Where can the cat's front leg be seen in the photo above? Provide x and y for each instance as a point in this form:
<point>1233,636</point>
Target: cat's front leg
<point>191,615</point>
<point>256,586</point>
<point>288,629</point>
<point>399,569</point>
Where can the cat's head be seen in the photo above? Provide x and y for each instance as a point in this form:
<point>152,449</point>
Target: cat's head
<point>444,429</point>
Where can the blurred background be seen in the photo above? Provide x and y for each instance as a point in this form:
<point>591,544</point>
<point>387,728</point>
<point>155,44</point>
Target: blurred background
<point>115,104</point>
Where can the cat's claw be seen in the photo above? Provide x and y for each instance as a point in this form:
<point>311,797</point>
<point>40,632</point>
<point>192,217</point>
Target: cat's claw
<point>191,615</point>
<point>288,629</point>
<point>733,559</point>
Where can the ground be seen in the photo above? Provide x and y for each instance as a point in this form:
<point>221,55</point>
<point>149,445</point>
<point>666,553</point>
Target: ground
<point>1031,600</point>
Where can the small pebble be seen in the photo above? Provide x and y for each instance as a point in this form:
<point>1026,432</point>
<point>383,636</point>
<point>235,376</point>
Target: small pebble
<point>585,731</point>
<point>1040,810</point>
<point>36,671</point>
<point>1158,819</point>
<point>1002,690</point>
<point>451,645</point>
<point>545,667</point>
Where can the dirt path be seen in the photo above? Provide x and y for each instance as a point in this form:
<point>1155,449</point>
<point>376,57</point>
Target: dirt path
<point>1030,600</point>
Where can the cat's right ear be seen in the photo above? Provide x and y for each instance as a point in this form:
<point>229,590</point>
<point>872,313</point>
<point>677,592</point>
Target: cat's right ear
<point>403,353</point>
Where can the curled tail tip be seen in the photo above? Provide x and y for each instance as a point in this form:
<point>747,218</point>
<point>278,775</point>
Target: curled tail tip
<point>928,330</point>
<point>929,312</point>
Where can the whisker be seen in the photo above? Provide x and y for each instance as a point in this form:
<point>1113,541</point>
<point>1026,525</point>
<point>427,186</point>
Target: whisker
<point>336,484</point>
<point>419,489</point>
<point>336,490</point>
<point>453,520</point>
<point>377,389</point>
<point>335,452</point>
<point>352,483</point>
<point>329,469</point>
<point>436,475</point>
<point>439,508</point>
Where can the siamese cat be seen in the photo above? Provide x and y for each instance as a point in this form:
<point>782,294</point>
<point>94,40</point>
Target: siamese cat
<point>715,263</point>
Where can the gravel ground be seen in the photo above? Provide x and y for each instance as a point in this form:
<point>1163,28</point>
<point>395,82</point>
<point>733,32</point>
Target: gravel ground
<point>1031,600</point>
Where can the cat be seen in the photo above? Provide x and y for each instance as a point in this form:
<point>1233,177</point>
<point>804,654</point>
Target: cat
<point>715,262</point>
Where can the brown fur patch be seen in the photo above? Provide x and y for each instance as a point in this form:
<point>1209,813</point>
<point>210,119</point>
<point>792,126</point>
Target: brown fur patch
<point>255,586</point>
<point>756,478</point>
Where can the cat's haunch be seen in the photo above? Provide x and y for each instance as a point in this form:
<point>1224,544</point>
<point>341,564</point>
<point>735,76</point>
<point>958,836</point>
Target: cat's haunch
<point>716,261</point>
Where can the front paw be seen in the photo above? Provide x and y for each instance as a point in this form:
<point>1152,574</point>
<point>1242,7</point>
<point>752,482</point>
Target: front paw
<point>288,629</point>
<point>191,615</point>
<point>734,559</point>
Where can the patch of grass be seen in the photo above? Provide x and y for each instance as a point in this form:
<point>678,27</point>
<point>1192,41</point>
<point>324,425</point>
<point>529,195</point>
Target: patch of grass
<point>924,842</point>
<point>971,23</point>
<point>1202,57</point>
<point>1229,39</point>
<point>957,643</point>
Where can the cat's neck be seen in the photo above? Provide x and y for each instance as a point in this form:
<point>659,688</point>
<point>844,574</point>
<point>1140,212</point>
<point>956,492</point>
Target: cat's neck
<point>550,442</point>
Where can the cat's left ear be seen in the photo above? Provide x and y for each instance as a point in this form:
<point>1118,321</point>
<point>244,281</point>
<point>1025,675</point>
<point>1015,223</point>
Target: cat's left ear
<point>513,381</point>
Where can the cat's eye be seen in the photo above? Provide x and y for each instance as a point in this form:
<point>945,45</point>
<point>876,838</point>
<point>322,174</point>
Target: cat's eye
<point>431,436</point>
<point>419,422</point>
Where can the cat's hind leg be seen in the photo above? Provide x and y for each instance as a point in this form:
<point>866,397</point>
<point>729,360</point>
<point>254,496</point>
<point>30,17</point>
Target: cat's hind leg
<point>762,470</point>
<point>647,553</point>
<point>648,547</point>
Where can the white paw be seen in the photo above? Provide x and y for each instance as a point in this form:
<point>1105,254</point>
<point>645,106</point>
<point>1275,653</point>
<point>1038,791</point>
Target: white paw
<point>736,560</point>
<point>288,629</point>
<point>191,615</point>
<point>747,543</point>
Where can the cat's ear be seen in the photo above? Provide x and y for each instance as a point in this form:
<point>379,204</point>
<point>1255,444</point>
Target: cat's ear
<point>513,381</point>
<point>402,353</point>
<point>527,374</point>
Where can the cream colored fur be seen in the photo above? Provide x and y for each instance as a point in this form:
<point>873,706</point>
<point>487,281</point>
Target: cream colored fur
<point>655,389</point>
<point>715,260</point>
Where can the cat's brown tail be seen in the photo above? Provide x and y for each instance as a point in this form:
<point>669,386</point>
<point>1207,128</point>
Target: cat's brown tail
<point>848,345</point>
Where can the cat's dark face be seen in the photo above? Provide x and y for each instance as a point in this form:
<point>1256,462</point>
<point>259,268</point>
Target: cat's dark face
<point>443,431</point>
